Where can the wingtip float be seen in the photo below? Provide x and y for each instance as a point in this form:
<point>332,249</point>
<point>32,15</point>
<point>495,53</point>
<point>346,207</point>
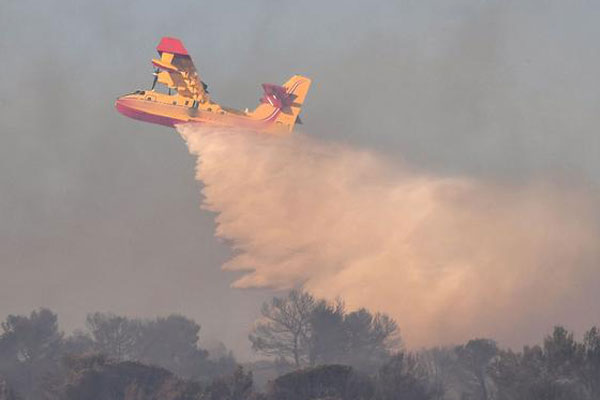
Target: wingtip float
<point>187,99</point>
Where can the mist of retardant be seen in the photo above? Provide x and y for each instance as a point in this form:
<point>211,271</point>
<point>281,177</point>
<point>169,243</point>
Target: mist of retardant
<point>450,258</point>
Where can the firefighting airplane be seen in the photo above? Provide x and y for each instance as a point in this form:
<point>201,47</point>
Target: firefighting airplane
<point>187,98</point>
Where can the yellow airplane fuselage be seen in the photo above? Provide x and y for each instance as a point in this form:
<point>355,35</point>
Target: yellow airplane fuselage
<point>170,110</point>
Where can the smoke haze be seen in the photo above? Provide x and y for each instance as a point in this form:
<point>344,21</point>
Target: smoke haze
<point>449,258</point>
<point>100,213</point>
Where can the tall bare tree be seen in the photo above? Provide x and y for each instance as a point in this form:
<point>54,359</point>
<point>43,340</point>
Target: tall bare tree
<point>284,329</point>
<point>305,330</point>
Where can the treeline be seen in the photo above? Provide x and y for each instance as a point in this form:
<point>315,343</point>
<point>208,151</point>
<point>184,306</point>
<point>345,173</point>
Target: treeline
<point>33,350</point>
<point>305,332</point>
<point>315,350</point>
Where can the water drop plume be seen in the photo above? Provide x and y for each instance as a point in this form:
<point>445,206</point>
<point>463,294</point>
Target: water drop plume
<point>448,257</point>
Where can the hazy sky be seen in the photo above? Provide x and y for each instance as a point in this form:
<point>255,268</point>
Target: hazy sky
<point>101,213</point>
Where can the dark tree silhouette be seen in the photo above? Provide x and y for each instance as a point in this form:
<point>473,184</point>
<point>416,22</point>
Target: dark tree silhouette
<point>30,350</point>
<point>328,341</point>
<point>401,378</point>
<point>170,342</point>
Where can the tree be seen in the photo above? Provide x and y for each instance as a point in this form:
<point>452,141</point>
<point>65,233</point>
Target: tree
<point>322,382</point>
<point>439,366</point>
<point>370,339</point>
<point>591,343</point>
<point>172,343</point>
<point>309,332</point>
<point>78,343</point>
<point>475,358</point>
<point>284,329</point>
<point>328,341</point>
<point>30,350</point>
<point>95,378</point>
<point>114,336</point>
<point>554,371</point>
<point>402,378</point>
<point>561,352</point>
<point>238,386</point>
<point>31,339</point>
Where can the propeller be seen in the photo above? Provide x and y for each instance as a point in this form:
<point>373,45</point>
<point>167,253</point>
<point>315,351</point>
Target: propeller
<point>156,71</point>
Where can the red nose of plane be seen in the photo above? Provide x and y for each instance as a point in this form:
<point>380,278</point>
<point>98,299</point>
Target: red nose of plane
<point>119,105</point>
<point>136,108</point>
<point>124,106</point>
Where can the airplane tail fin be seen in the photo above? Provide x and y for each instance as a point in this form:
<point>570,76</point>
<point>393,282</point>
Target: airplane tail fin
<point>281,105</point>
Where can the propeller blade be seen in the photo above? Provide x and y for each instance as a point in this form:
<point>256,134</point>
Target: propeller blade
<point>155,78</point>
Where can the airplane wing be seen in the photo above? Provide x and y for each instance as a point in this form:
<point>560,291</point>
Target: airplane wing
<point>176,70</point>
